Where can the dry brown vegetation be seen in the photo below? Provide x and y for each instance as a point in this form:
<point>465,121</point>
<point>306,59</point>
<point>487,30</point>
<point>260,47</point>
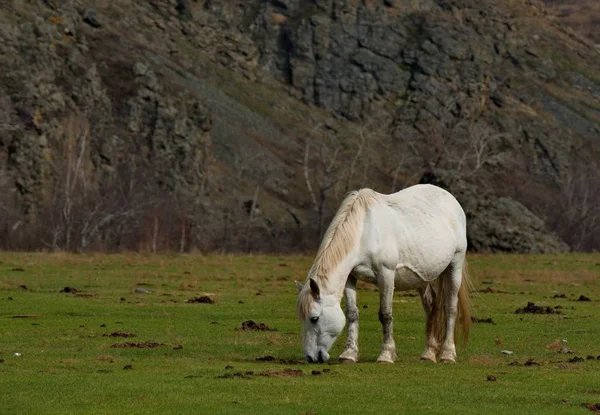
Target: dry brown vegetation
<point>583,16</point>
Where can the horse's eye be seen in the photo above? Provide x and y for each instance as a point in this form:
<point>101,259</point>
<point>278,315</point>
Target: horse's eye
<point>314,319</point>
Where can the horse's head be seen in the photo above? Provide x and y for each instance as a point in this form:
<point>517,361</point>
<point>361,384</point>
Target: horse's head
<point>322,321</point>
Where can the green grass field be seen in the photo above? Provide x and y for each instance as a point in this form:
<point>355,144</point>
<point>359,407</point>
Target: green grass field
<point>201,364</point>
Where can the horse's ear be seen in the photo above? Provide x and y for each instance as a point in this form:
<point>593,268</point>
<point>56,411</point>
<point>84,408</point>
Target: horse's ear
<point>299,285</point>
<point>314,287</point>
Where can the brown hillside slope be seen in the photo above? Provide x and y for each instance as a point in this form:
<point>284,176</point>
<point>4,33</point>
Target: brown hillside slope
<point>583,16</point>
<point>241,124</point>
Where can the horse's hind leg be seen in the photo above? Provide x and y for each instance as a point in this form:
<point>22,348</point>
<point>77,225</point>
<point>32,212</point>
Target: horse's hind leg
<point>350,353</point>
<point>451,287</point>
<point>386,293</point>
<point>432,345</point>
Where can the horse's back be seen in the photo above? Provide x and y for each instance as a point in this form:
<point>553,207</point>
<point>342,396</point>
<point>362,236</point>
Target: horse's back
<point>421,227</point>
<point>423,201</point>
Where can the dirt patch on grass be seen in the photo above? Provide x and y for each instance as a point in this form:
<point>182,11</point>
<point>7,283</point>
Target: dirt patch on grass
<point>250,325</point>
<point>559,347</point>
<point>140,345</point>
<point>201,300</point>
<point>595,407</point>
<point>285,373</point>
<point>531,308</point>
<point>283,361</point>
<point>105,359</point>
<point>240,375</point>
<point>529,362</point>
<point>483,320</point>
<point>490,290</point>
<point>27,316</point>
<point>119,334</point>
<point>266,359</point>
<point>485,360</point>
<point>583,298</point>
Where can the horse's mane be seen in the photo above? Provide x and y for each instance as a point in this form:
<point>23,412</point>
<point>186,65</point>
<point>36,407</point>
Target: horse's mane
<point>337,242</point>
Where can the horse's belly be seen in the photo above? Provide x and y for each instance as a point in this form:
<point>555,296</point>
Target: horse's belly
<point>405,279</point>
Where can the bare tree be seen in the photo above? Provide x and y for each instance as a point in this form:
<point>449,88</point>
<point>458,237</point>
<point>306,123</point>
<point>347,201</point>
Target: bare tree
<point>478,146</point>
<point>575,214</point>
<point>324,170</point>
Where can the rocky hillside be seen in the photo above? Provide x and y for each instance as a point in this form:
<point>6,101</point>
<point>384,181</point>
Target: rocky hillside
<point>583,16</point>
<point>240,125</point>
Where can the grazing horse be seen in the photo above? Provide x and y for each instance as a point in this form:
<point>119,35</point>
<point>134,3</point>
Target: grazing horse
<point>413,239</point>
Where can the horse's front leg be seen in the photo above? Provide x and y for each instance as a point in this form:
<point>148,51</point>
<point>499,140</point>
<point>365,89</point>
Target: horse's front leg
<point>350,353</point>
<point>385,281</point>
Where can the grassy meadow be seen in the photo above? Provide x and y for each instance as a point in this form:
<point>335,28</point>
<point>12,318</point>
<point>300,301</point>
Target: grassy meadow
<point>57,355</point>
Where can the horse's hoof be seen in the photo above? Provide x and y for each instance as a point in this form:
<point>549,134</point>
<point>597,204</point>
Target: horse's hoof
<point>428,356</point>
<point>345,360</point>
<point>385,361</point>
<point>448,356</point>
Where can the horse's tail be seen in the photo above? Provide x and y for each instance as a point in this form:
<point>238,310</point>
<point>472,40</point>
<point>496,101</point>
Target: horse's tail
<point>463,318</point>
<point>464,304</point>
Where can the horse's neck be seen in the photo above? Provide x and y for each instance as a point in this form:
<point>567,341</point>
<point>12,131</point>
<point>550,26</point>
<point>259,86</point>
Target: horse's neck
<point>338,278</point>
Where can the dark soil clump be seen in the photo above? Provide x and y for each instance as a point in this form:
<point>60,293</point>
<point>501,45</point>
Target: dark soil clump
<point>482,320</point>
<point>201,300</point>
<point>251,325</point>
<point>531,362</point>
<point>536,309</point>
<point>69,290</point>
<point>583,298</point>
<point>559,296</point>
<point>266,359</point>
<point>127,367</point>
<point>141,345</point>
<point>119,334</point>
<point>514,363</point>
<point>576,359</point>
<point>234,375</point>
<point>490,290</point>
<point>491,378</point>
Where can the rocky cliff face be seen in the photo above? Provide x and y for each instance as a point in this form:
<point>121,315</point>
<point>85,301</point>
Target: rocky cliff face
<point>241,124</point>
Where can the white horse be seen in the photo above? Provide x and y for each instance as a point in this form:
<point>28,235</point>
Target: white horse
<point>412,239</point>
